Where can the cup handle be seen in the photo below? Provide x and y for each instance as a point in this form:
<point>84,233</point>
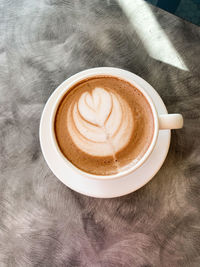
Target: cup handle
<point>170,121</point>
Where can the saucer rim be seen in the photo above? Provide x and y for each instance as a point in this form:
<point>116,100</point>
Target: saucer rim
<point>44,124</point>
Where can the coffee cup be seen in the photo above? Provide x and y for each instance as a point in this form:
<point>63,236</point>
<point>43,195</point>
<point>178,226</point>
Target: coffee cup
<point>161,122</point>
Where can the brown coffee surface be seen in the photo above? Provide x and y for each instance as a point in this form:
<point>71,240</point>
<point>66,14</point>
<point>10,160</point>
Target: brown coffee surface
<point>104,125</point>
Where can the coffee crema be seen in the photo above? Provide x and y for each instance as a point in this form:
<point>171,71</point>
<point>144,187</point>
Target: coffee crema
<point>104,125</point>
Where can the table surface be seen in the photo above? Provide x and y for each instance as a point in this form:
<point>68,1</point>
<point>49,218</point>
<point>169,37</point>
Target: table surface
<point>44,223</point>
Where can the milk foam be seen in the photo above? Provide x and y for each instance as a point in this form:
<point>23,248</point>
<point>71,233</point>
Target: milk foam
<point>100,122</point>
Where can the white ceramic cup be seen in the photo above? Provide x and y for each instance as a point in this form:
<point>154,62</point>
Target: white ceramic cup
<point>161,122</point>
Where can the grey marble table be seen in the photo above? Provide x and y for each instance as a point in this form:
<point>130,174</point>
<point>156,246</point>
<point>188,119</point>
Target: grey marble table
<point>44,223</point>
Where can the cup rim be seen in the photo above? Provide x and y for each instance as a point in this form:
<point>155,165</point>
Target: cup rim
<point>89,73</point>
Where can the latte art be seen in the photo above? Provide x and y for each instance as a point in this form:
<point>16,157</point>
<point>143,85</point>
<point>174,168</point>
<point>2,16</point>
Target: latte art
<point>103,125</point>
<point>100,123</point>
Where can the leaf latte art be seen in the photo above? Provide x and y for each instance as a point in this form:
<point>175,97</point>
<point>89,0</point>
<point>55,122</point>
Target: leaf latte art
<point>103,125</point>
<point>100,122</point>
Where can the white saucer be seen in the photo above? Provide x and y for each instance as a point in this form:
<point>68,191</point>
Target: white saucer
<point>110,188</point>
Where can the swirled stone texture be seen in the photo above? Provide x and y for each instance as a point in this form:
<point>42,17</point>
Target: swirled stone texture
<point>42,222</point>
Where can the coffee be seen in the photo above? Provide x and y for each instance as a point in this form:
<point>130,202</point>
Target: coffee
<point>104,125</point>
